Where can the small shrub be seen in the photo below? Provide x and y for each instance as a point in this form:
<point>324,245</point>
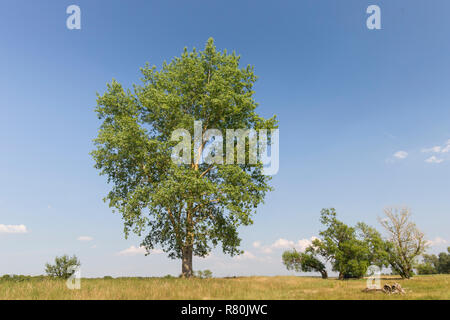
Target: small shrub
<point>63,268</point>
<point>205,274</point>
<point>5,277</point>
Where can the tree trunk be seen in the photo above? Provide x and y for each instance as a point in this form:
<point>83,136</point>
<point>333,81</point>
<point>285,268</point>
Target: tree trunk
<point>324,274</point>
<point>186,262</point>
<point>341,276</point>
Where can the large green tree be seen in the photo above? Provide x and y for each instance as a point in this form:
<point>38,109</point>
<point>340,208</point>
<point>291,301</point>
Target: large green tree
<point>186,208</point>
<point>350,250</point>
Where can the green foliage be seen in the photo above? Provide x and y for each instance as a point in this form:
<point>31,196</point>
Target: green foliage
<point>63,267</point>
<point>304,262</point>
<point>21,278</point>
<point>444,262</point>
<point>433,264</point>
<point>187,209</point>
<point>205,274</point>
<point>349,250</point>
<point>426,268</point>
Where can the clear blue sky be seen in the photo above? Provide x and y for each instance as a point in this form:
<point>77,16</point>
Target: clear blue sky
<point>348,99</point>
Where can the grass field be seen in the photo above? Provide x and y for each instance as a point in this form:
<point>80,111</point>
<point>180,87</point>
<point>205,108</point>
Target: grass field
<point>278,288</point>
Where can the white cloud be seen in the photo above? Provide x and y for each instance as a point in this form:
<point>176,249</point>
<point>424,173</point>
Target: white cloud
<point>434,159</point>
<point>247,255</point>
<point>401,154</point>
<point>282,243</point>
<point>133,251</point>
<point>13,228</point>
<point>446,149</point>
<point>257,244</point>
<point>437,241</point>
<point>438,149</point>
<point>304,243</point>
<point>85,238</point>
<point>266,249</point>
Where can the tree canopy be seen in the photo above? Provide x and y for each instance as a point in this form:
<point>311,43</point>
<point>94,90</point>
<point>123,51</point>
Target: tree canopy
<point>186,208</point>
<point>406,241</point>
<point>434,264</point>
<point>63,268</point>
<point>349,250</point>
<point>304,262</point>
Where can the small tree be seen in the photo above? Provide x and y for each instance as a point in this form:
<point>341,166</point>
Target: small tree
<point>304,262</point>
<point>407,242</point>
<point>63,268</point>
<point>205,274</point>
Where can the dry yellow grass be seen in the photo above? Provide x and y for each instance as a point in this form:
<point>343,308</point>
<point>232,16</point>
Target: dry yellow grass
<point>274,288</point>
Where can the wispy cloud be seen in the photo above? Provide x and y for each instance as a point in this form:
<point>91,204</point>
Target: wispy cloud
<point>439,152</point>
<point>247,255</point>
<point>133,251</point>
<point>397,156</point>
<point>434,159</point>
<point>85,238</point>
<point>401,154</point>
<point>257,244</point>
<point>13,228</point>
<point>438,149</point>
<point>438,241</point>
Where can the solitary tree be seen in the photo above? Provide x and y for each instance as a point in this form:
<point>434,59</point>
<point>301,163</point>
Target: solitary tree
<point>186,208</point>
<point>407,242</point>
<point>63,268</point>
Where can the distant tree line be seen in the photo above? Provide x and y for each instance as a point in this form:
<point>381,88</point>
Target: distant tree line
<point>434,264</point>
